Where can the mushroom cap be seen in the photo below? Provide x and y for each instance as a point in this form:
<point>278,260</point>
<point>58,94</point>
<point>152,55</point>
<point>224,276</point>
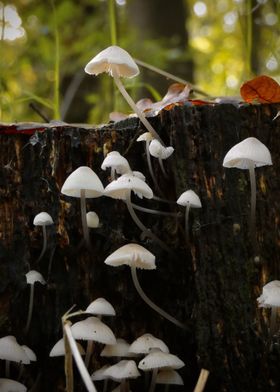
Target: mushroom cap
<point>249,150</point>
<point>117,161</point>
<point>34,276</point>
<point>118,189</point>
<point>30,353</point>
<point>169,377</point>
<point>93,329</point>
<point>123,369</point>
<point>83,178</point>
<point>139,174</point>
<point>133,255</point>
<point>189,198</point>
<point>58,349</point>
<point>113,60</point>
<point>43,219</point>
<point>158,359</point>
<point>92,219</point>
<point>145,343</point>
<point>101,307</point>
<point>157,150</point>
<point>8,385</point>
<point>147,136</point>
<point>98,374</point>
<point>120,349</point>
<point>270,295</point>
<point>10,350</point>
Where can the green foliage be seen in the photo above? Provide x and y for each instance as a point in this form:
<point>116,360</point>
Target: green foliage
<point>228,44</point>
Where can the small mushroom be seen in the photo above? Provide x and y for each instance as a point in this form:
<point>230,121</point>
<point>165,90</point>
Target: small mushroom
<point>145,343</point>
<point>123,371</point>
<point>169,377</point>
<point>8,385</point>
<point>270,298</point>
<point>157,150</point>
<point>58,349</point>
<point>136,256</point>
<point>117,163</point>
<point>43,219</point>
<point>11,351</point>
<point>189,199</point>
<point>249,154</point>
<point>118,350</point>
<point>118,63</point>
<point>32,277</point>
<point>92,220</point>
<point>83,183</point>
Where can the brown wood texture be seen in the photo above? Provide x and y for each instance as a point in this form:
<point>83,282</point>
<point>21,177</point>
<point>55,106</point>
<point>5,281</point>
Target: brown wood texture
<point>210,284</point>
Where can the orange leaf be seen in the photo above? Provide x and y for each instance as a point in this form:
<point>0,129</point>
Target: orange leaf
<point>262,89</point>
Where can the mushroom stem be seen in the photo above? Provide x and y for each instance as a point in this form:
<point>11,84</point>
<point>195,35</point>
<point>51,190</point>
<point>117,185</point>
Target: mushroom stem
<point>113,174</point>
<point>84,217</point>
<point>44,243</point>
<point>164,200</point>
<point>153,380</point>
<point>78,359</point>
<point>141,226</point>
<point>7,368</point>
<point>273,319</point>
<point>162,167</point>
<point>105,385</point>
<point>253,201</point>
<point>156,308</point>
<point>123,386</point>
<point>156,212</point>
<point>187,213</point>
<point>88,352</point>
<point>132,104</point>
<point>30,309</point>
<point>150,167</point>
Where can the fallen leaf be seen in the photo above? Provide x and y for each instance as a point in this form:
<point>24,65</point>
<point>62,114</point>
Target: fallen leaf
<point>261,89</point>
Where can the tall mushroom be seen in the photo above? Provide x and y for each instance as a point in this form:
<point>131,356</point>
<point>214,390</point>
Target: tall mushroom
<point>118,63</point>
<point>136,256</point>
<point>83,183</point>
<point>43,219</point>
<point>188,199</point>
<point>249,154</point>
<point>31,278</point>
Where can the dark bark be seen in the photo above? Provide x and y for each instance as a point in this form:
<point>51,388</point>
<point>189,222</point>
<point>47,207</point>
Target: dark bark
<point>212,285</point>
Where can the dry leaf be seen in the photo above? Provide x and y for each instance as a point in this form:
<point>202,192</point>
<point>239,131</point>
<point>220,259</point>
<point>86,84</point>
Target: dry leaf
<point>262,89</point>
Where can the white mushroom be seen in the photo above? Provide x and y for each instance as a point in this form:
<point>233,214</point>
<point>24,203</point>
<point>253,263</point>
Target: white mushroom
<point>118,63</point>
<point>157,150</point>
<point>117,163</point>
<point>123,371</point>
<point>83,183</point>
<point>58,349</point>
<point>188,199</point>
<point>145,343</point>
<point>31,278</point>
<point>247,155</point>
<point>43,219</point>
<point>11,351</point>
<point>136,256</point>
<point>270,298</point>
<point>8,385</point>
<point>92,219</point>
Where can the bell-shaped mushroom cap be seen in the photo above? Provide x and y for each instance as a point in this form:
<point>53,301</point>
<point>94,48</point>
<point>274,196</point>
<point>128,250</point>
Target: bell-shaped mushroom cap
<point>145,343</point>
<point>43,219</point>
<point>158,359</point>
<point>117,161</point>
<point>157,150</point>
<point>58,349</point>
<point>270,295</point>
<point>147,136</point>
<point>8,385</point>
<point>93,329</point>
<point>169,377</point>
<point>138,174</point>
<point>120,349</point>
<point>189,198</point>
<point>250,149</point>
<point>133,255</point>
<point>30,353</point>
<point>10,350</point>
<point>101,307</point>
<point>92,220</point>
<point>98,375</point>
<point>123,369</point>
<point>33,277</point>
<point>83,178</point>
<point>113,60</point>
<point>118,189</point>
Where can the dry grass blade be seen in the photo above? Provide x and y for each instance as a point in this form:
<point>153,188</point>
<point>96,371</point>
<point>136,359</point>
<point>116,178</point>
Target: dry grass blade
<point>202,379</point>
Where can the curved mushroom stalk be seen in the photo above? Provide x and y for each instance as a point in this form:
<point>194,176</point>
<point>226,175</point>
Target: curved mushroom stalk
<point>273,322</point>
<point>84,218</point>
<point>153,380</point>
<point>30,309</point>
<point>132,104</point>
<point>187,231</point>
<point>155,307</point>
<point>44,244</point>
<point>251,166</point>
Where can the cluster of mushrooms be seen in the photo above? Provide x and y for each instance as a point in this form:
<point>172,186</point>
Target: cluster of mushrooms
<point>84,183</point>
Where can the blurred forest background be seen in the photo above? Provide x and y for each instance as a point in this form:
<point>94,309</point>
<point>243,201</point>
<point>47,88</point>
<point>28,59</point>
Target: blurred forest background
<point>45,44</point>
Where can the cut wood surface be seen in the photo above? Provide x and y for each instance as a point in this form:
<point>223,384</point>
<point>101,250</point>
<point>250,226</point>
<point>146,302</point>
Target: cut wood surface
<point>210,284</point>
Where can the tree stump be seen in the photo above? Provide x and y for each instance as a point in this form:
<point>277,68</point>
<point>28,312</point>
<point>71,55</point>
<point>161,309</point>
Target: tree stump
<point>211,284</point>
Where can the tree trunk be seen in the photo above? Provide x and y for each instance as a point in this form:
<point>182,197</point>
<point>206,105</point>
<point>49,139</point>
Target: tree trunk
<point>211,284</point>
